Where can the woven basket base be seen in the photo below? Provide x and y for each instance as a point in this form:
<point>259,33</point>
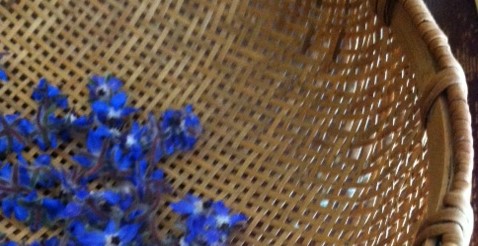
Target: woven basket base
<point>312,125</point>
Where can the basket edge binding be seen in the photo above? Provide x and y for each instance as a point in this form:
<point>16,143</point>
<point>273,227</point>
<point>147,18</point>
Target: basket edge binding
<point>452,224</point>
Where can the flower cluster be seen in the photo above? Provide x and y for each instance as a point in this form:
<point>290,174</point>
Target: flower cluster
<point>117,149</point>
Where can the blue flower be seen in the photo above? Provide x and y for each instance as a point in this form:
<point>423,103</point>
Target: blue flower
<point>222,218</point>
<point>13,133</point>
<point>189,205</point>
<point>73,123</point>
<point>181,129</point>
<point>206,223</point>
<point>49,95</point>
<point>113,234</point>
<point>102,88</point>
<point>114,110</point>
<point>3,75</point>
<point>198,232</point>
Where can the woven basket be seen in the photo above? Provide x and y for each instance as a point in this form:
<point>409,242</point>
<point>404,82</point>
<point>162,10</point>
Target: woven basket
<point>326,122</point>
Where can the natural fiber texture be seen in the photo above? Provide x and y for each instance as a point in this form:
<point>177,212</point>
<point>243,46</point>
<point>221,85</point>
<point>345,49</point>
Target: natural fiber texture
<point>314,126</point>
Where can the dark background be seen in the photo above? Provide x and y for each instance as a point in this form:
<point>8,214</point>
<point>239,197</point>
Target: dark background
<point>459,21</point>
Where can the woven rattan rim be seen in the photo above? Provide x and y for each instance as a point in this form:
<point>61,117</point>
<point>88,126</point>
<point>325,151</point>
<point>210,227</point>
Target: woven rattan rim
<point>453,223</point>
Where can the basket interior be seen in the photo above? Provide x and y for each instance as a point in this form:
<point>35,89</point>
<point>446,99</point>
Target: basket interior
<point>311,115</point>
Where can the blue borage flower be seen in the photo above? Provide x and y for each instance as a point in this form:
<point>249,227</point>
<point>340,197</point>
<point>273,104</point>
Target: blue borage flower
<point>113,111</point>
<point>103,87</point>
<point>180,128</point>
<point>14,132</point>
<point>48,95</point>
<point>73,123</point>
<point>47,124</point>
<point>206,222</point>
<point>112,234</point>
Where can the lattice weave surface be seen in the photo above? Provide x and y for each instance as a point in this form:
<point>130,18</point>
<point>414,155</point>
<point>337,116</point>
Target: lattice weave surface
<point>310,108</point>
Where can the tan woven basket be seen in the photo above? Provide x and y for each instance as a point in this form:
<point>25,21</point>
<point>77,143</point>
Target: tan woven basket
<point>327,122</point>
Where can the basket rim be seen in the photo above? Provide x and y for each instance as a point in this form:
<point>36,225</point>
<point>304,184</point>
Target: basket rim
<point>452,223</point>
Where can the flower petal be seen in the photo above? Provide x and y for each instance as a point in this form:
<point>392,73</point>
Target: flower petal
<point>25,127</point>
<point>110,227</point>
<point>237,218</point>
<point>6,172</point>
<point>3,75</point>
<point>127,111</point>
<point>94,143</point>
<point>82,121</point>
<point>21,213</point>
<point>111,197</point>
<point>52,206</point>
<point>43,160</point>
<point>157,175</point>
<point>183,207</point>
<point>118,100</point>
<point>219,208</point>
<point>100,108</point>
<point>94,238</point>
<point>82,160</point>
<point>71,210</point>
<point>3,145</point>
<point>52,242</point>
<point>114,83</point>
<point>53,91</point>
<point>24,176</point>
<point>7,206</point>
<point>128,232</point>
